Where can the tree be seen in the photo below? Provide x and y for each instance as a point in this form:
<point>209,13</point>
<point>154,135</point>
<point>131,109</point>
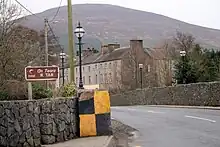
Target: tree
<point>185,72</point>
<point>183,42</point>
<point>19,51</point>
<point>210,64</point>
<point>19,46</point>
<point>199,66</point>
<point>165,64</point>
<point>9,14</point>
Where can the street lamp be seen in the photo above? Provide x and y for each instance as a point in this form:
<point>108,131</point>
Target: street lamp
<point>141,70</point>
<point>79,32</point>
<point>183,54</point>
<point>62,57</point>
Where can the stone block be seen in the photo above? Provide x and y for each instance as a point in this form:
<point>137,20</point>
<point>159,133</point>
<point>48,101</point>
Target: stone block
<point>199,94</point>
<point>46,129</point>
<point>37,142</point>
<point>48,139</point>
<point>27,123</point>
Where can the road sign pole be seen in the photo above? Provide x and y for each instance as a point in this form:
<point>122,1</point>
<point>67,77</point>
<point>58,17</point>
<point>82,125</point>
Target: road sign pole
<point>30,94</point>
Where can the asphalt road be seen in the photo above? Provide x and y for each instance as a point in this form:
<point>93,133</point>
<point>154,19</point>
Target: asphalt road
<point>171,127</point>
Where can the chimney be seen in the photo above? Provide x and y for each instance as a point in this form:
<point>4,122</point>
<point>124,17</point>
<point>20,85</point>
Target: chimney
<point>104,49</point>
<point>136,45</point>
<point>87,52</point>
<point>111,47</point>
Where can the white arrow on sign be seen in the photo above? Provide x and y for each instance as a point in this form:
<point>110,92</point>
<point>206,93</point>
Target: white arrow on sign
<point>30,71</point>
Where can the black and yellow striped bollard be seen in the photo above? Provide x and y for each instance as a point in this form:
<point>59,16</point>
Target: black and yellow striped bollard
<point>94,113</point>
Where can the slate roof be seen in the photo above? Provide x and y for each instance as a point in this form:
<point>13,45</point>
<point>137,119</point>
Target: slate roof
<point>117,54</point>
<point>157,54</point>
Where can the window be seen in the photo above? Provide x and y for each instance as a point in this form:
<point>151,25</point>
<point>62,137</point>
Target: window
<point>83,68</point>
<point>84,80</point>
<point>105,65</point>
<point>110,65</point>
<point>101,78</point>
<point>96,79</point>
<point>89,69</point>
<point>96,66</point>
<point>100,65</point>
<point>76,70</point>
<point>90,81</point>
<point>76,80</point>
<point>106,78</point>
<point>148,68</point>
<point>110,77</point>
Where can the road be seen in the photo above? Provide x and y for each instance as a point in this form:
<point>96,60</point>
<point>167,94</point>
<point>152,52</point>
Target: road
<point>171,127</point>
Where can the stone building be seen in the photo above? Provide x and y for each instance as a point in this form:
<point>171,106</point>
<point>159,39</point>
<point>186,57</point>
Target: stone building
<point>117,67</point>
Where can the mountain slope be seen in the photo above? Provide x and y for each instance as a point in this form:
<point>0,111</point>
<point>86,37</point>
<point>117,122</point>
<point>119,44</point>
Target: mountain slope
<point>109,23</point>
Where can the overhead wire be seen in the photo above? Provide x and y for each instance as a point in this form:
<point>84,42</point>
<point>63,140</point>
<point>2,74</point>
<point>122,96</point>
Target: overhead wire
<point>54,36</point>
<point>57,11</point>
<point>27,9</point>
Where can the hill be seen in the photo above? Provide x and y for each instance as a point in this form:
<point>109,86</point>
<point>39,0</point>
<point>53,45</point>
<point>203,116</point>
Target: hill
<point>108,23</point>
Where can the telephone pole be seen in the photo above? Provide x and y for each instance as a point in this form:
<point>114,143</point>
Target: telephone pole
<point>71,42</point>
<point>46,44</point>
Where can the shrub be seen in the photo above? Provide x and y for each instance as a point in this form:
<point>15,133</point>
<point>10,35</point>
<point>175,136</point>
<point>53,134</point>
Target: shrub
<point>40,92</point>
<point>69,90</point>
<point>3,96</point>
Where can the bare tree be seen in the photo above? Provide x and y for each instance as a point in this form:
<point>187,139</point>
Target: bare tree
<point>18,45</point>
<point>9,14</point>
<point>22,48</point>
<point>165,64</point>
<point>183,41</point>
<point>130,70</point>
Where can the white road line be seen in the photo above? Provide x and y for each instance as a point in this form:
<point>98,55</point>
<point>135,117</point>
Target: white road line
<point>139,110</point>
<point>200,118</point>
<point>156,112</point>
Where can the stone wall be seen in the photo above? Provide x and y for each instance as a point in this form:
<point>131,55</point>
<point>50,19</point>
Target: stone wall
<point>32,123</point>
<point>201,94</point>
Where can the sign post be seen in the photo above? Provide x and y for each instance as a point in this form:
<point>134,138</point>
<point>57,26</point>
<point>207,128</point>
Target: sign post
<point>40,73</point>
<point>30,93</point>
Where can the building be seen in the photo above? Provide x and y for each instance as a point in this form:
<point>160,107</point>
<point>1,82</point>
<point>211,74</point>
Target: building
<point>117,67</point>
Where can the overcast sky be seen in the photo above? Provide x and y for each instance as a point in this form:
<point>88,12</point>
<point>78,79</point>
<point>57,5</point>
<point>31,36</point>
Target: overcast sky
<point>199,12</point>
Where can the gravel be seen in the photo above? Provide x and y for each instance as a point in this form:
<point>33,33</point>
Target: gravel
<point>123,134</point>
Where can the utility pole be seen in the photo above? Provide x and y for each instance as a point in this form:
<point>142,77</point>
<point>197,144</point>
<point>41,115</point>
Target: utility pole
<point>71,42</point>
<point>46,44</point>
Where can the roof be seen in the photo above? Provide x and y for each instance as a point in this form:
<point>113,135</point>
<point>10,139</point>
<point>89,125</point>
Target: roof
<point>118,54</point>
<point>157,54</point>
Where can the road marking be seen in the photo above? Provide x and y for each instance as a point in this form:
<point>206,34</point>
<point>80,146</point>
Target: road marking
<point>156,112</point>
<point>138,110</point>
<point>200,118</point>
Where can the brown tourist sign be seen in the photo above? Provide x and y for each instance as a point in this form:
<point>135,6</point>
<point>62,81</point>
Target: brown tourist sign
<point>41,73</point>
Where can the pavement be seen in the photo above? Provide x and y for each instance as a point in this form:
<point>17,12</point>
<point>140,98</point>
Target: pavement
<point>101,141</point>
<point>123,135</point>
<point>166,126</point>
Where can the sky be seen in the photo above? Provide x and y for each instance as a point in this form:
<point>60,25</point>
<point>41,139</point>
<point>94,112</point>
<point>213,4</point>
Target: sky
<point>200,12</point>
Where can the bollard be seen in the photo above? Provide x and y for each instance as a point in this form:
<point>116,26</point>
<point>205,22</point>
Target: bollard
<point>94,113</point>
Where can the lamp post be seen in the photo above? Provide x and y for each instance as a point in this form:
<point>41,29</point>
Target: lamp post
<point>141,76</point>
<point>79,32</point>
<point>183,54</point>
<point>62,57</point>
